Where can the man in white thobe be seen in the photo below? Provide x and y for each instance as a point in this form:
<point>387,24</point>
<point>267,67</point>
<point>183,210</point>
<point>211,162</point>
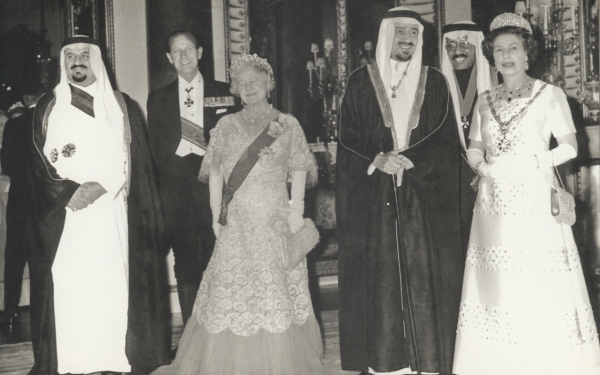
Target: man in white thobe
<point>83,146</point>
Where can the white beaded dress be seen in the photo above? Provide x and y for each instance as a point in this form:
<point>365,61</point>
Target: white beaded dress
<point>252,315</point>
<point>525,308</point>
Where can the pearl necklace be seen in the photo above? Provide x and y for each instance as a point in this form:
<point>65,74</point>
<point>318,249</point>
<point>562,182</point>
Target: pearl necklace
<point>255,121</point>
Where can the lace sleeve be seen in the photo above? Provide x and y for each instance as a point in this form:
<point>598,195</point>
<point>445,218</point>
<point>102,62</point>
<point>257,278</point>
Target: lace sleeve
<point>300,158</point>
<point>214,150</point>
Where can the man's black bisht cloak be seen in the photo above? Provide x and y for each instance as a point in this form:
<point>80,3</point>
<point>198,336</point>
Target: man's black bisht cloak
<point>148,334</point>
<point>374,331</point>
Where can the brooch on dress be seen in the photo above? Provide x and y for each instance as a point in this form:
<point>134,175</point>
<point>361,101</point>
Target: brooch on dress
<point>275,129</point>
<point>266,153</point>
<point>68,150</point>
<point>53,155</point>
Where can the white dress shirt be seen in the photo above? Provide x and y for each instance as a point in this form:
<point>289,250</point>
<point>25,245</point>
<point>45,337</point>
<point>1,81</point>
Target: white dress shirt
<point>193,112</point>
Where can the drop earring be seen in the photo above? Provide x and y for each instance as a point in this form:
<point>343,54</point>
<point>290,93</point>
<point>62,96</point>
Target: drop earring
<point>268,94</point>
<point>526,65</point>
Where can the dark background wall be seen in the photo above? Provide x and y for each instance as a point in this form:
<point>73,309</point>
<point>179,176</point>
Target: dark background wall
<point>165,17</point>
<point>21,44</point>
<point>282,31</point>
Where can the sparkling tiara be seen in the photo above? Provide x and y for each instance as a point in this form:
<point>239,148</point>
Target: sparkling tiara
<point>510,19</point>
<point>247,59</point>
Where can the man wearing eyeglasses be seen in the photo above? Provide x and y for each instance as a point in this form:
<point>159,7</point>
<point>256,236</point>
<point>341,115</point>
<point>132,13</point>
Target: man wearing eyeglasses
<point>468,74</point>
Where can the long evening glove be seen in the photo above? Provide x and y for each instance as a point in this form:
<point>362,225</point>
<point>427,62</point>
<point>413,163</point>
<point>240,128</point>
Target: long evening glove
<point>558,155</point>
<point>295,217</point>
<point>215,186</point>
<point>475,157</point>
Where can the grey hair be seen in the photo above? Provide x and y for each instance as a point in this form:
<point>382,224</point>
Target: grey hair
<point>258,68</point>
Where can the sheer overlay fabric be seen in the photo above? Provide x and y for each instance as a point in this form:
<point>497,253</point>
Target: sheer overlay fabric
<point>252,315</point>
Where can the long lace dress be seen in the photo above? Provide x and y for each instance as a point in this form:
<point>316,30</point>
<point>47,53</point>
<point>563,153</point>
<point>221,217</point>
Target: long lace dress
<point>525,308</point>
<point>251,315</point>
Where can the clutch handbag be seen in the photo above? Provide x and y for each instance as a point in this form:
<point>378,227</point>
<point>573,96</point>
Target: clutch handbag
<point>295,246</point>
<point>562,203</point>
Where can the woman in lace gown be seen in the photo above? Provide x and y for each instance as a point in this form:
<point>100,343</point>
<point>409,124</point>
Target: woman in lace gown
<point>252,315</point>
<point>525,308</point>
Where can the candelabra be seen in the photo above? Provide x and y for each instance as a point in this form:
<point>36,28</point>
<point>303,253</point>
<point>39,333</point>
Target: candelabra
<point>560,37</point>
<point>560,22</point>
<point>327,81</point>
<point>590,96</point>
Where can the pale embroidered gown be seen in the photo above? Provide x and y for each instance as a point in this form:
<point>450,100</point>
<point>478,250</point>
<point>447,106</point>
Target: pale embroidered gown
<point>251,315</point>
<point>525,308</point>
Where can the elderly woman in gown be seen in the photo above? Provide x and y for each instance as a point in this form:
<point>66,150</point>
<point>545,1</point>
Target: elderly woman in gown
<point>253,315</point>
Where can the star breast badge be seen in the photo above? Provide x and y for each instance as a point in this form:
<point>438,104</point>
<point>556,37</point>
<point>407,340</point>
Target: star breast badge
<point>68,150</point>
<point>53,155</point>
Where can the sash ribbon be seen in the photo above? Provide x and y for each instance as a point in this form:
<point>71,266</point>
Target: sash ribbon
<point>242,168</point>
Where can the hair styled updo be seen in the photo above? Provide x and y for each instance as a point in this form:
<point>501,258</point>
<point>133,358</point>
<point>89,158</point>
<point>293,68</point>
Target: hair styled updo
<point>529,42</point>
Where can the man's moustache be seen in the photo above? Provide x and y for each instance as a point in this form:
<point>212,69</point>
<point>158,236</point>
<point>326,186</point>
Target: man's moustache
<point>78,66</point>
<point>406,44</point>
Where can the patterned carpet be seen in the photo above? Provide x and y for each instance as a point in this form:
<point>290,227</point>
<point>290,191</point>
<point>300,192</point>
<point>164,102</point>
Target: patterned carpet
<point>17,359</point>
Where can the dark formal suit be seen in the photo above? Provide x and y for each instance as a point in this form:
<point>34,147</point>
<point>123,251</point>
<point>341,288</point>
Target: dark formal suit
<point>16,145</point>
<point>185,199</point>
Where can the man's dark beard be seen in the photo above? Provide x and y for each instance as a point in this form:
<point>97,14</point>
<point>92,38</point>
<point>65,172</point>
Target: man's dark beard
<point>403,57</point>
<point>79,78</point>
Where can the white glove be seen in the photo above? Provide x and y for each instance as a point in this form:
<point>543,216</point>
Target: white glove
<point>215,186</point>
<point>295,217</point>
<point>475,157</point>
<point>558,155</point>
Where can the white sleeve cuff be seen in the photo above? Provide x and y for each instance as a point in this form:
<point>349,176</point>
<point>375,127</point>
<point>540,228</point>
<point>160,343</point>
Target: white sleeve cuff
<point>371,169</point>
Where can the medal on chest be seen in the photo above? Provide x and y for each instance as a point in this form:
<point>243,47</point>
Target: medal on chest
<point>465,122</point>
<point>466,103</point>
<point>189,102</point>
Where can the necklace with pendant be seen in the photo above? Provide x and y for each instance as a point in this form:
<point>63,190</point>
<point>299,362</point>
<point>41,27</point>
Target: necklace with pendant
<point>467,102</point>
<point>505,127</point>
<point>395,87</point>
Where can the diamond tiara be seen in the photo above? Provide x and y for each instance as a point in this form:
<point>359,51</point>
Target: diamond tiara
<point>248,59</point>
<point>510,19</point>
